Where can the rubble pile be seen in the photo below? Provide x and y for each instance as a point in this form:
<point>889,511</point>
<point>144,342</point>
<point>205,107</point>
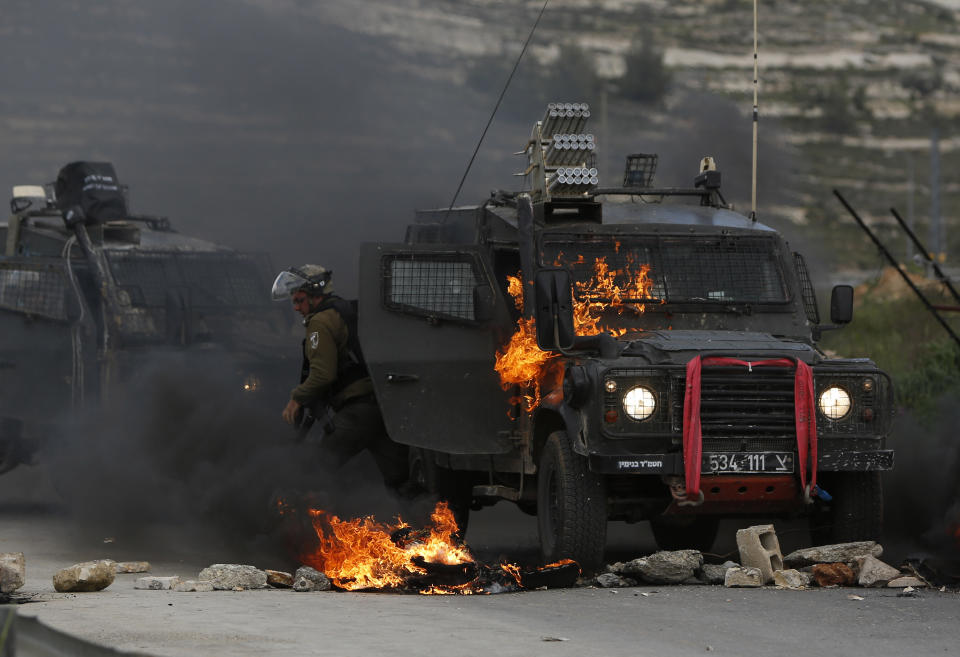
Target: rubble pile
<point>761,564</point>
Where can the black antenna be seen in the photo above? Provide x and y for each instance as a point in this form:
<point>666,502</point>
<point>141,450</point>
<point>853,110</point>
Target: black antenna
<point>496,107</point>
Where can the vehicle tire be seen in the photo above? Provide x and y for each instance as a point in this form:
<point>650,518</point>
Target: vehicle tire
<point>854,514</point>
<point>685,533</point>
<point>571,506</point>
<point>441,484</point>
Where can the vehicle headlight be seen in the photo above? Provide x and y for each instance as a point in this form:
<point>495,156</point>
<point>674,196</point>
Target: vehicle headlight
<point>251,383</point>
<point>639,403</point>
<point>834,402</point>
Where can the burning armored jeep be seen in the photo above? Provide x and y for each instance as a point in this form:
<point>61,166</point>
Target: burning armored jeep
<point>90,293</point>
<point>592,359</point>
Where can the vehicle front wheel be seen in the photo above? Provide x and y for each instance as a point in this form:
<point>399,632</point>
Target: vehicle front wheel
<point>571,506</point>
<point>855,512</point>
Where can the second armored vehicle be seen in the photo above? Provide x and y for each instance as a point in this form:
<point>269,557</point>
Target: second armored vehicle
<point>91,295</point>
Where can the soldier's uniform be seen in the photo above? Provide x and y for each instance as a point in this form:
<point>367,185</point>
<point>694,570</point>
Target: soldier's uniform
<point>333,379</point>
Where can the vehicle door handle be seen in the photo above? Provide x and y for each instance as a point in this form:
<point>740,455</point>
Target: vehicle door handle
<point>402,378</point>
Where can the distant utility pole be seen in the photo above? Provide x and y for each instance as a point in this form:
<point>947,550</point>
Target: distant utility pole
<point>911,186</point>
<point>936,236</point>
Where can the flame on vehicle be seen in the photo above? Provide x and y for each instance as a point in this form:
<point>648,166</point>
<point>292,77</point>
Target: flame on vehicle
<point>521,362</point>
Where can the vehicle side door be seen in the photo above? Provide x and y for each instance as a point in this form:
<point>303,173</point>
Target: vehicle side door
<point>425,325</point>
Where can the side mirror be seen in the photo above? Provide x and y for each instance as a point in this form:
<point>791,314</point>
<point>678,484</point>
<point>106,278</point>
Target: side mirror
<point>483,303</point>
<point>553,309</point>
<point>841,304</point>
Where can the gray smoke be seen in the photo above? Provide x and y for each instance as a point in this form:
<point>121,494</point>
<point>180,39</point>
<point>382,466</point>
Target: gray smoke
<point>922,493</point>
<point>180,460</point>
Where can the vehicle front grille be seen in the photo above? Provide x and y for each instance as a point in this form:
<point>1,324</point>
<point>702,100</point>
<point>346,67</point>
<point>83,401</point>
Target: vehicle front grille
<point>742,408</point>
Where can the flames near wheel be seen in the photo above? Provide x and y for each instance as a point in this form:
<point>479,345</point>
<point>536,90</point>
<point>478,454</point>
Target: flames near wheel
<point>522,363</point>
<point>366,555</point>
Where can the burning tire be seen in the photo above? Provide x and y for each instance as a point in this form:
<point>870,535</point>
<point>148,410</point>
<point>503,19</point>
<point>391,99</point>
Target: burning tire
<point>854,514</point>
<point>571,506</point>
<point>686,533</point>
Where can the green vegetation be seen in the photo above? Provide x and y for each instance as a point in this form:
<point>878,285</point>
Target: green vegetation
<point>904,339</point>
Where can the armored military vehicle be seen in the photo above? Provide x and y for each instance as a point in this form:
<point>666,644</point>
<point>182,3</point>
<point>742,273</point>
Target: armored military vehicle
<point>620,353</point>
<point>91,294</point>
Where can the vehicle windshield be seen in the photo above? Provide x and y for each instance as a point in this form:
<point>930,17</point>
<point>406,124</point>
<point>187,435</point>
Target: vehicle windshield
<point>673,270</point>
<point>210,280</point>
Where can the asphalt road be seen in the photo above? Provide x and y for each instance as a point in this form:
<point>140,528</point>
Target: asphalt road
<point>647,620</point>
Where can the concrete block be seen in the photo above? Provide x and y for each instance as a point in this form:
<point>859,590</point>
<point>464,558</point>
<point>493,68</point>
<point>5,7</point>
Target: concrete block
<point>759,548</point>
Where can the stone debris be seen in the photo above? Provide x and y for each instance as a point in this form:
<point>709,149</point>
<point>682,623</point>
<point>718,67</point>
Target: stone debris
<point>838,553</point>
<point>85,577</point>
<point>792,579</point>
<point>742,577</point>
<point>712,573</point>
<point>661,567</point>
<point>153,583</point>
<point>906,581</point>
<point>833,574</point>
<point>310,579</point>
<point>229,576</point>
<point>193,585</point>
<point>614,581</point>
<point>760,548</point>
<point>133,567</point>
<point>873,572</point>
<point>279,579</point>
<point>13,571</point>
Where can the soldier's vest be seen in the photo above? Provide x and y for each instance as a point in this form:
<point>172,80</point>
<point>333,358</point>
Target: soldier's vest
<point>351,366</point>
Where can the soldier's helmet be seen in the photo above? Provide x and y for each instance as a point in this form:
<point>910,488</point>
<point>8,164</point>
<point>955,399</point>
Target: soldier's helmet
<point>312,279</point>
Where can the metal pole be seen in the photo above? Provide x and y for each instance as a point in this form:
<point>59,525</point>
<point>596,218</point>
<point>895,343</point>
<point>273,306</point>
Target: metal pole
<point>896,266</point>
<point>756,116</point>
<point>916,241</point>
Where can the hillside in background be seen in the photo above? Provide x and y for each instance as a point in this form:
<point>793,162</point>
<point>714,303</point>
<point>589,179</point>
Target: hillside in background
<point>303,127</point>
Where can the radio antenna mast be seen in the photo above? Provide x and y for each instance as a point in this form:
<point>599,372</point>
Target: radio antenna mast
<point>756,117</point>
<point>497,106</point>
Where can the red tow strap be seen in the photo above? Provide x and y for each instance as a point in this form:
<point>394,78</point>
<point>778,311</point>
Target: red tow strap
<point>803,400</point>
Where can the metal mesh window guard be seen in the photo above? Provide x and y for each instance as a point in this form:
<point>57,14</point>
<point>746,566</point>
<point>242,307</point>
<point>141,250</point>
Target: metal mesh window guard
<point>212,279</point>
<point>683,270</point>
<point>809,296</point>
<point>38,291</point>
<point>430,285</point>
